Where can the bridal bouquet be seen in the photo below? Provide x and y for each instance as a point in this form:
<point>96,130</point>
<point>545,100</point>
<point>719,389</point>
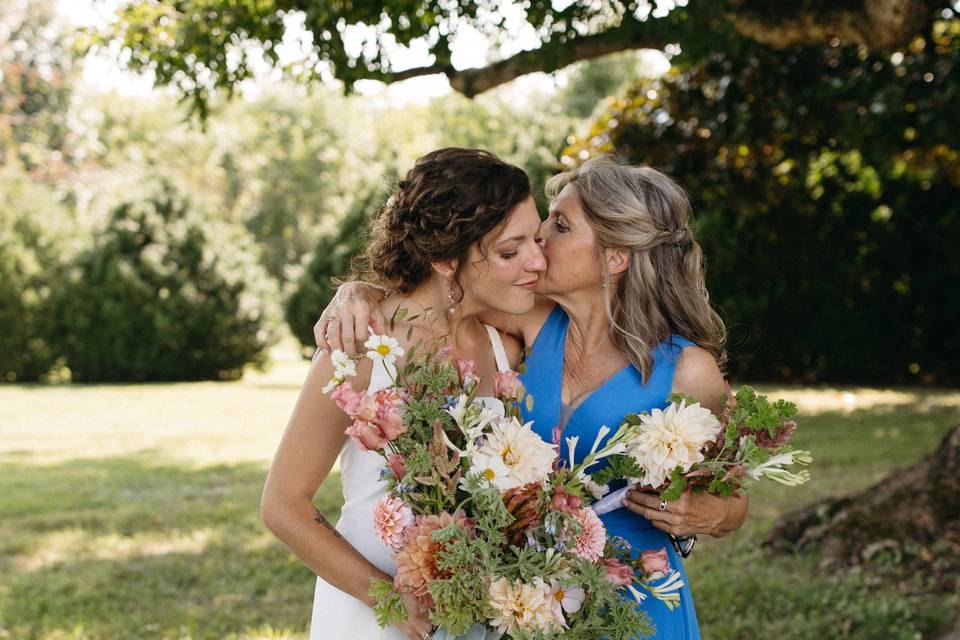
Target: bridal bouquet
<point>686,448</point>
<point>491,532</point>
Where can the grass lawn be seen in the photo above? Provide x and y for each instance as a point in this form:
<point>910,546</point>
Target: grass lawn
<point>131,511</point>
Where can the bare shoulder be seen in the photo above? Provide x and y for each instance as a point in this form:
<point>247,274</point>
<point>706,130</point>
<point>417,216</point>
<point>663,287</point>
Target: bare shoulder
<point>698,375</point>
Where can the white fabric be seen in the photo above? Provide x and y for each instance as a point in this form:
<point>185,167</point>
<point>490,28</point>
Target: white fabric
<point>336,614</point>
<point>499,353</point>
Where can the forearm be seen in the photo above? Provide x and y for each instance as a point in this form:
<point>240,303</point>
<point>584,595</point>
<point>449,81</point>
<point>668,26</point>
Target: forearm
<point>734,515</point>
<point>313,539</point>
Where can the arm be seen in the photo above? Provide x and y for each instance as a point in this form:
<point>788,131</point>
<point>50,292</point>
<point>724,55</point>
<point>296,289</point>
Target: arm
<point>697,375</point>
<point>307,451</point>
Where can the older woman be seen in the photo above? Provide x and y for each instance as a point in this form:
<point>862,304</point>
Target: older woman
<point>623,321</point>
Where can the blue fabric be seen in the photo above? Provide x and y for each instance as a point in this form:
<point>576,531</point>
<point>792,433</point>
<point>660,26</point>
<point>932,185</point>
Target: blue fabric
<point>624,393</point>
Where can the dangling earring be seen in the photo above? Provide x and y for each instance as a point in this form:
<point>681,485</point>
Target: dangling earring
<point>452,304</point>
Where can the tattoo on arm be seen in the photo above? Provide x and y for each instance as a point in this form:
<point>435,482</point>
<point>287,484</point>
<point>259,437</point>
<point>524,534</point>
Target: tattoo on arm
<point>320,519</point>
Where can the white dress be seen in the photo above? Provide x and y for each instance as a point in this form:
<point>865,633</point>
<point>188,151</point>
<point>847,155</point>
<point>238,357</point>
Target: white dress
<point>336,614</point>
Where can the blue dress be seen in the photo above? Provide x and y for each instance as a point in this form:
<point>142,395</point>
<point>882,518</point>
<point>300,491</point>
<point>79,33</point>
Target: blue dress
<point>624,393</point>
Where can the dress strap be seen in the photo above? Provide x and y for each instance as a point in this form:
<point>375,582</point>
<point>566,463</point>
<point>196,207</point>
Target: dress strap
<point>499,353</point>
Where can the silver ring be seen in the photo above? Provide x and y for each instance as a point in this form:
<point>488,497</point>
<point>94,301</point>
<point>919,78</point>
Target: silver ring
<point>425,636</point>
<point>663,504</point>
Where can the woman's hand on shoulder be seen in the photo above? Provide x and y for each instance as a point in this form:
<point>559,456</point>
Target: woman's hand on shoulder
<point>698,375</point>
<point>344,324</point>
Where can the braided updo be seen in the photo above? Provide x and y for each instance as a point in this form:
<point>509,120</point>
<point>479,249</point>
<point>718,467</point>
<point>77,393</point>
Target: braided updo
<point>448,201</point>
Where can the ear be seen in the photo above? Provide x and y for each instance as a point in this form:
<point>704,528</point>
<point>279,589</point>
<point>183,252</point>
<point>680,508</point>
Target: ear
<point>445,268</point>
<point>618,260</point>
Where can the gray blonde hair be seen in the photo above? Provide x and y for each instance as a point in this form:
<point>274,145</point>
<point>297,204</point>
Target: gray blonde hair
<point>663,291</point>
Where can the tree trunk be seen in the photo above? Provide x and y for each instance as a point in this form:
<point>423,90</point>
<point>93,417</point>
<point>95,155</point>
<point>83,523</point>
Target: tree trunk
<point>912,515</point>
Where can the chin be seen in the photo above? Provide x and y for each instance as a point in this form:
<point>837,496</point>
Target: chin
<point>515,304</point>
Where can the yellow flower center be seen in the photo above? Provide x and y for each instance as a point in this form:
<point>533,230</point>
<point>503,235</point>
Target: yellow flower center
<point>383,349</point>
<point>559,595</point>
<point>489,474</point>
<point>508,457</point>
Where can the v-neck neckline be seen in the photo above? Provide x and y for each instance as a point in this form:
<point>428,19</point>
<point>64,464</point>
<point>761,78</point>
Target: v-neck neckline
<point>589,396</point>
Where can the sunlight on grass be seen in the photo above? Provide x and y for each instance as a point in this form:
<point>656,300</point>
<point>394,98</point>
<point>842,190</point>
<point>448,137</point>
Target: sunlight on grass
<point>814,401</point>
<point>66,544</point>
<point>201,422</point>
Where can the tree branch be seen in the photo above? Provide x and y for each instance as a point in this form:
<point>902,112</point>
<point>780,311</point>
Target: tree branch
<point>631,34</point>
<point>881,24</point>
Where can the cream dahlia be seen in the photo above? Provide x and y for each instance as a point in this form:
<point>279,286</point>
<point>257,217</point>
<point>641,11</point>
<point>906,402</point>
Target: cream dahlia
<point>672,438</point>
<point>521,607</point>
<point>526,456</point>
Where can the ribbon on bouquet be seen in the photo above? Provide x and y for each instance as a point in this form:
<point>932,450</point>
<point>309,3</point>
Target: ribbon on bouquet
<point>612,501</point>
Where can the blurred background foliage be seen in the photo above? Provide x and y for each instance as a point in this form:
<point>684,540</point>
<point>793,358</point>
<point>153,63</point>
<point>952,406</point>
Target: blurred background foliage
<point>824,179</point>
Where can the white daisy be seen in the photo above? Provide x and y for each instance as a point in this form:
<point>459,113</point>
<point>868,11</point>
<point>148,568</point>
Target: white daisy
<point>343,366</point>
<point>383,349</point>
<point>492,469</point>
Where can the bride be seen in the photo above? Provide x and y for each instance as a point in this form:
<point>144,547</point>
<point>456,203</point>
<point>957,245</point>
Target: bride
<point>455,240</point>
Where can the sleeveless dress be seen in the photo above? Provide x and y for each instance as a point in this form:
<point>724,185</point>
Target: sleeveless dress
<point>624,393</point>
<point>337,615</point>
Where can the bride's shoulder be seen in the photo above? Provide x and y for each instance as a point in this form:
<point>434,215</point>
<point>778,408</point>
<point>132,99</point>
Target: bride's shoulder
<point>514,349</point>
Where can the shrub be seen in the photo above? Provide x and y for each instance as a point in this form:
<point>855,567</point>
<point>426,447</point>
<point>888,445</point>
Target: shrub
<point>160,296</point>
<point>33,230</point>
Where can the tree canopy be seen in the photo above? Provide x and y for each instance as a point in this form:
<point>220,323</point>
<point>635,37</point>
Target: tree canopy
<point>202,45</point>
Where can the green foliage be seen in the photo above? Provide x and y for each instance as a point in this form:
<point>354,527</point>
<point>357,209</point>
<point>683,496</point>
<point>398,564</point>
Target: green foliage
<point>331,257</point>
<point>826,190</point>
<point>33,246</point>
<point>458,559</point>
<point>161,297</point>
<point>36,73</point>
<point>192,46</point>
<point>388,607</point>
<point>618,467</point>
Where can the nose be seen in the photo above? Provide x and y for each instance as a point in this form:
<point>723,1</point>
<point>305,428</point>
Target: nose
<point>538,263</point>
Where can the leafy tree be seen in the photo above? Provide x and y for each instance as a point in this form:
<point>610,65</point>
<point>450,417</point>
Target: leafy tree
<point>199,45</point>
<point>36,71</point>
<point>826,182</point>
<point>161,296</point>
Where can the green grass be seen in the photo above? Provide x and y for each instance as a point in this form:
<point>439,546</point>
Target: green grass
<point>132,512</point>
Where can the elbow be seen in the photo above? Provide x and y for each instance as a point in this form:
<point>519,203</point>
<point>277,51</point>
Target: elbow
<point>271,512</point>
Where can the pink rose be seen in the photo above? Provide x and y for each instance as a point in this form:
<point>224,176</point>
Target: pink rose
<point>389,413</point>
<point>346,398</point>
<point>564,501</point>
<point>618,573</point>
<point>506,384</point>
<point>390,421</point>
<point>655,563</point>
<point>365,408</point>
<point>468,371</point>
<point>367,435</point>
<point>398,466</point>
